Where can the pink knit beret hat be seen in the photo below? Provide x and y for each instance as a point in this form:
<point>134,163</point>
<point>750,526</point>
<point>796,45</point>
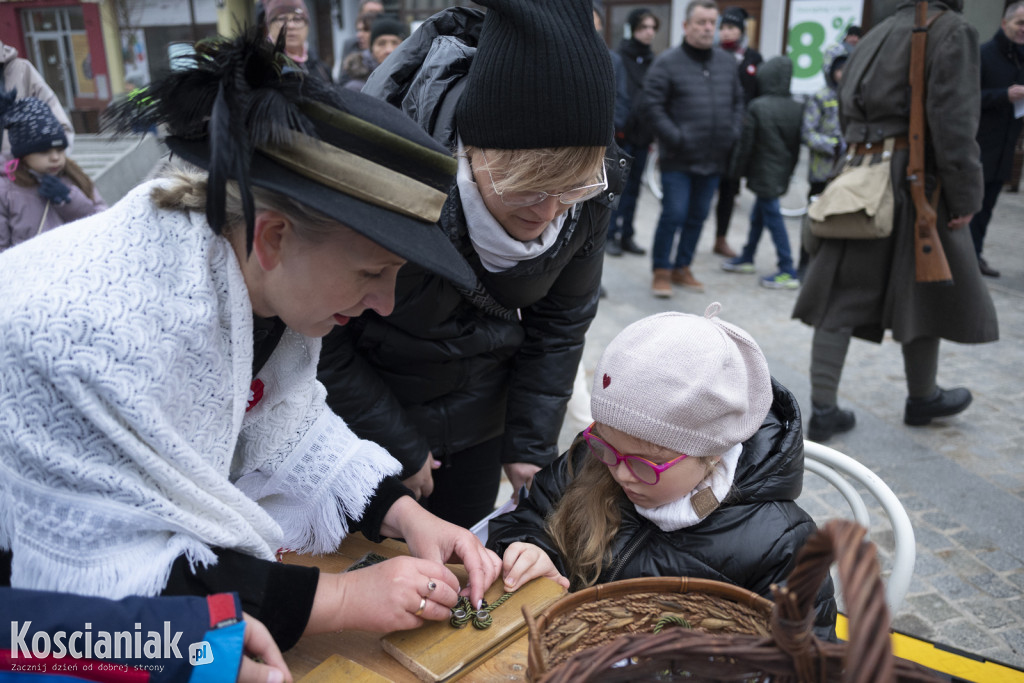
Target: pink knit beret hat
<point>692,384</point>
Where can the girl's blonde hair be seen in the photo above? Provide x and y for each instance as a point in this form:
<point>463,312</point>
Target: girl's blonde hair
<point>73,171</point>
<point>186,191</point>
<point>549,168</point>
<point>587,518</point>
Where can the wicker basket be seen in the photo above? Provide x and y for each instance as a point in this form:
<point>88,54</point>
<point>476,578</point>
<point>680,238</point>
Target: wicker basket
<point>790,653</point>
<point>600,614</point>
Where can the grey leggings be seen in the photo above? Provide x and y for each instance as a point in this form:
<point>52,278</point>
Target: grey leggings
<point>828,353</point>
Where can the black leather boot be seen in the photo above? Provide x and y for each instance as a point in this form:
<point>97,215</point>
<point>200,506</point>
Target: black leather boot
<point>943,403</point>
<point>827,421</point>
<point>631,247</point>
<point>613,247</point>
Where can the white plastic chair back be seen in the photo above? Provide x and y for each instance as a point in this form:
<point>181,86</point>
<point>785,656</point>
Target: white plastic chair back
<point>837,469</point>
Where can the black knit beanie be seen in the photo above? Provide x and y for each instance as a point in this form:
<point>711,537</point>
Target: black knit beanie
<point>737,16</point>
<point>31,126</point>
<point>384,25</point>
<point>541,77</point>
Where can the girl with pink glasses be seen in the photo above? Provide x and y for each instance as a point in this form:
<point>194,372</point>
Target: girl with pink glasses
<point>691,468</point>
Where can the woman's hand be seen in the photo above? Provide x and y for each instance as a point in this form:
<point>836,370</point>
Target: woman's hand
<point>520,474</point>
<point>422,483</point>
<point>394,595</point>
<point>524,562</point>
<point>432,538</point>
<point>257,642</point>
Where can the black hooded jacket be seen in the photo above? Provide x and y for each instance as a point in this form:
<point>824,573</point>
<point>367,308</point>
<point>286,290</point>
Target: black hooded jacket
<point>637,59</point>
<point>452,368</point>
<point>751,540</point>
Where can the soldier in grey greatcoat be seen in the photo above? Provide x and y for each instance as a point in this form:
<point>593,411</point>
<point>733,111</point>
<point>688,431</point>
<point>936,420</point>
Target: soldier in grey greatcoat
<point>864,287</point>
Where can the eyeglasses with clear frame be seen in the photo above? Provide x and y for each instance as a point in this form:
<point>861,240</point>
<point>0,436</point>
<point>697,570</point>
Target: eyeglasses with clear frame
<point>521,198</point>
<point>291,19</point>
<point>643,469</point>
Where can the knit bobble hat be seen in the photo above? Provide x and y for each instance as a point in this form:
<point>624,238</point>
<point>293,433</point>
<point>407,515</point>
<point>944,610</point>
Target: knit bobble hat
<point>737,16</point>
<point>691,384</point>
<point>387,26</point>
<point>31,125</point>
<point>541,77</point>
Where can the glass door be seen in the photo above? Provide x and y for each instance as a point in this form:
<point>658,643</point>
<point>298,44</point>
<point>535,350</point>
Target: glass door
<point>57,45</point>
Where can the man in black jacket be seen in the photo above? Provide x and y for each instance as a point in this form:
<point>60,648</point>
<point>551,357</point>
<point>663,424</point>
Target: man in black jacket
<point>694,102</point>
<point>1002,89</point>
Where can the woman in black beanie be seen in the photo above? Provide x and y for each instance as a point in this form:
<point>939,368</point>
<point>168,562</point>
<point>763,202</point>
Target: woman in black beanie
<point>467,380</point>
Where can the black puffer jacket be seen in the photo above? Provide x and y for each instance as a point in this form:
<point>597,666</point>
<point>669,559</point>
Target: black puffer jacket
<point>695,108</point>
<point>452,368</point>
<point>750,541</point>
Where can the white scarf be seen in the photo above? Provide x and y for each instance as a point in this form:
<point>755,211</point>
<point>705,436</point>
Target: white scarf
<point>497,249</point>
<point>680,514</point>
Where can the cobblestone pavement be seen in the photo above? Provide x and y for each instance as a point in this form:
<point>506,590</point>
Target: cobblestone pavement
<point>961,478</point>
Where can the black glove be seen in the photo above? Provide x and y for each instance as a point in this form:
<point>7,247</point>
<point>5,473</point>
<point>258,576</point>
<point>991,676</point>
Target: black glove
<point>50,187</point>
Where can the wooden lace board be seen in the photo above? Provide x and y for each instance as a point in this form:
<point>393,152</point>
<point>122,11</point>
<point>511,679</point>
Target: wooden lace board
<point>337,668</point>
<point>437,652</point>
<point>315,657</point>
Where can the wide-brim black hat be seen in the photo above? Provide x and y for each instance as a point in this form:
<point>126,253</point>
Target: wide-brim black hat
<point>246,115</point>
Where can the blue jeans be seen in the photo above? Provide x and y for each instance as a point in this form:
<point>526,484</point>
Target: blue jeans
<point>766,213</point>
<point>627,201</point>
<point>684,207</point>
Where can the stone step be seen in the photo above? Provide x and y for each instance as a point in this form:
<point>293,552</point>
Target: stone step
<point>117,165</point>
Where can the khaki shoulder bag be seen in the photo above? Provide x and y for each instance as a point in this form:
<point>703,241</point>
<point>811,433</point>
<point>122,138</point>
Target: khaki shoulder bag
<point>858,203</point>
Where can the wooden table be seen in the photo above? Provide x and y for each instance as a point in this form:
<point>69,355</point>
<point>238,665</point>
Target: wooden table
<point>361,657</point>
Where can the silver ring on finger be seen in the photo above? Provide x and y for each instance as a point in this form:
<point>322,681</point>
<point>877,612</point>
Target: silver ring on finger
<point>423,605</point>
<point>431,586</point>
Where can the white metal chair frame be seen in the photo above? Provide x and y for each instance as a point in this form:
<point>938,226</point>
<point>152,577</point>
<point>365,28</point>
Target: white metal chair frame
<point>833,466</point>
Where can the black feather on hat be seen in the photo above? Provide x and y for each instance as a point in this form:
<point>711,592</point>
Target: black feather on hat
<point>246,112</point>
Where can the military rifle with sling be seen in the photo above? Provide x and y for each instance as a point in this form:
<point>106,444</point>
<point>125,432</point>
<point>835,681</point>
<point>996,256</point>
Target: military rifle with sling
<point>930,264</point>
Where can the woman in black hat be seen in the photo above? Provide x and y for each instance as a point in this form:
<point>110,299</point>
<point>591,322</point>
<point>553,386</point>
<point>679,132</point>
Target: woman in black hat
<point>461,381</point>
<point>163,429</point>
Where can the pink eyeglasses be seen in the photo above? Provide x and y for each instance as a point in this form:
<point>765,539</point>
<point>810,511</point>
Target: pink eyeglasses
<point>641,468</point>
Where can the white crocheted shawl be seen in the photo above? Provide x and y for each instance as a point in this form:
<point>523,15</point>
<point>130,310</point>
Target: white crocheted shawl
<point>126,356</point>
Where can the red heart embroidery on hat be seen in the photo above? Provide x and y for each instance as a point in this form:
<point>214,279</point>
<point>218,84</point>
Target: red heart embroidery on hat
<point>605,381</point>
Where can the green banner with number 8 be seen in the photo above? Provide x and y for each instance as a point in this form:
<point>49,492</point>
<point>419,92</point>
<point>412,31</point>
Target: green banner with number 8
<point>814,26</point>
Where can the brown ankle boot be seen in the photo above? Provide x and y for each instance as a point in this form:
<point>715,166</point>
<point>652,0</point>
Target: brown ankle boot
<point>662,285</point>
<point>683,277</point>
<point>722,248</point>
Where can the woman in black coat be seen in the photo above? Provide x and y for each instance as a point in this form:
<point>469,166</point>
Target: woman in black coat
<point>478,378</point>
